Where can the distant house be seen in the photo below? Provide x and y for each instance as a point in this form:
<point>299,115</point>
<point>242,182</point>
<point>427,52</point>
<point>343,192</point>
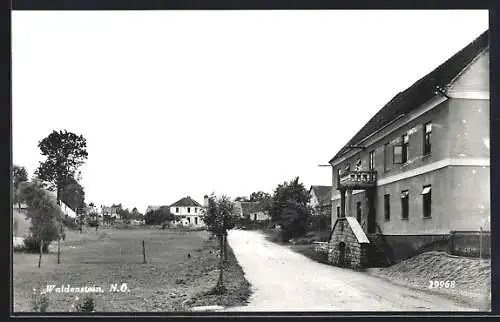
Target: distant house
<point>67,210</point>
<point>253,210</point>
<point>23,207</point>
<point>64,207</point>
<point>188,212</point>
<point>321,200</point>
<point>152,208</point>
<point>109,211</point>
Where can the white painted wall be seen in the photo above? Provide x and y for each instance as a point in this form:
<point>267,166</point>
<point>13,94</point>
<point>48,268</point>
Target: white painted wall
<point>193,215</point>
<point>258,216</point>
<point>67,210</point>
<point>183,211</point>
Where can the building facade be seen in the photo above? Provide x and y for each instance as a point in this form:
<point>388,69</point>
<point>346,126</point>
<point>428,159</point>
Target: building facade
<point>419,169</point>
<point>188,212</point>
<point>320,200</point>
<point>252,210</point>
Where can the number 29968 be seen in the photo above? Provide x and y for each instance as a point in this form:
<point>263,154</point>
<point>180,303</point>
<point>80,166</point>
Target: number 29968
<point>441,284</point>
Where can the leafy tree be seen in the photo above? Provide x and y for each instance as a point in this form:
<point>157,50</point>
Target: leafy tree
<point>259,196</point>
<point>73,194</point>
<point>289,207</point>
<point>125,215</point>
<point>158,216</point>
<point>81,216</point>
<point>65,152</point>
<point>263,198</point>
<point>219,218</point>
<point>44,214</point>
<point>94,215</point>
<point>108,219</point>
<point>137,215</point>
<point>19,175</point>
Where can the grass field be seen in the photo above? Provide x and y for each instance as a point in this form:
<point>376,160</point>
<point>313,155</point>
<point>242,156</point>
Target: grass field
<point>170,281</point>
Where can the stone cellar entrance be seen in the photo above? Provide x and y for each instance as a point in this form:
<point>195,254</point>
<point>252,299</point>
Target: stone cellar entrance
<point>348,244</point>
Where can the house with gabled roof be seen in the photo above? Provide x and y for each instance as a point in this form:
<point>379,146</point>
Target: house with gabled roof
<point>320,200</point>
<point>188,212</point>
<point>253,210</point>
<point>153,208</point>
<point>418,171</point>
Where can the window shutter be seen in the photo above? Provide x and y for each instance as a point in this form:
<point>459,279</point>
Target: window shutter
<point>398,154</point>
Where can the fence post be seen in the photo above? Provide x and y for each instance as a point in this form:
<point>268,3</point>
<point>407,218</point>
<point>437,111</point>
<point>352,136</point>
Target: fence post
<point>481,242</point>
<point>143,253</point>
<point>40,257</point>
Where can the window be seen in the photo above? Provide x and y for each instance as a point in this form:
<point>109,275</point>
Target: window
<point>176,209</point>
<point>372,160</point>
<point>404,204</point>
<point>404,143</point>
<point>427,138</point>
<point>196,220</point>
<point>427,201</point>
<point>189,210</point>
<point>386,156</point>
<point>338,211</point>
<point>255,217</point>
<point>398,154</point>
<point>195,209</point>
<point>189,219</point>
<point>358,211</point>
<point>387,207</point>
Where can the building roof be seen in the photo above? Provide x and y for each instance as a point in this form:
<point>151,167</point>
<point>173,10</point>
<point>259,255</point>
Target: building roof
<point>151,208</point>
<point>249,207</point>
<point>420,92</point>
<point>109,210</point>
<point>186,202</point>
<point>357,230</point>
<point>324,194</point>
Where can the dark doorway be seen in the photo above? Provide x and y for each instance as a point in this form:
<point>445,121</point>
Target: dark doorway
<point>371,211</point>
<point>341,261</point>
<point>358,212</point>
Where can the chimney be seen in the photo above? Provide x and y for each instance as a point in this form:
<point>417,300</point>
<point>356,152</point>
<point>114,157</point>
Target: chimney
<point>205,201</point>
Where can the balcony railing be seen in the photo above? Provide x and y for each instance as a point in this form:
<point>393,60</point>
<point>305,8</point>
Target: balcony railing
<point>357,179</point>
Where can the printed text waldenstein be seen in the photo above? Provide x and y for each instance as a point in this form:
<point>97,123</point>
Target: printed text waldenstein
<point>71,289</point>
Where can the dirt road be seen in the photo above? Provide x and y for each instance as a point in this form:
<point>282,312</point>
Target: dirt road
<point>283,280</point>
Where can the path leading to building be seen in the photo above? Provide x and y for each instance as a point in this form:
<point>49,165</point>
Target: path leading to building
<point>283,280</point>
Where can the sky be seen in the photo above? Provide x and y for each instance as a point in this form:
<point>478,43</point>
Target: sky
<point>178,103</point>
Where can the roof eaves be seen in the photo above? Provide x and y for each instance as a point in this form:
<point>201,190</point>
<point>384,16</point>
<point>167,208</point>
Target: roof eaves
<point>420,88</point>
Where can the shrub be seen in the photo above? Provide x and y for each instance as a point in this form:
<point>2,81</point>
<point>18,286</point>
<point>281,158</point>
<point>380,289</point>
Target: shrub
<point>93,223</point>
<point>158,216</point>
<point>320,222</point>
<point>70,223</point>
<point>43,212</point>
<point>32,245</point>
<point>39,301</point>
<point>86,304</point>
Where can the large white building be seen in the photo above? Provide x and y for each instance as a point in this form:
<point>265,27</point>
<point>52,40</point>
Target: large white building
<point>188,212</point>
